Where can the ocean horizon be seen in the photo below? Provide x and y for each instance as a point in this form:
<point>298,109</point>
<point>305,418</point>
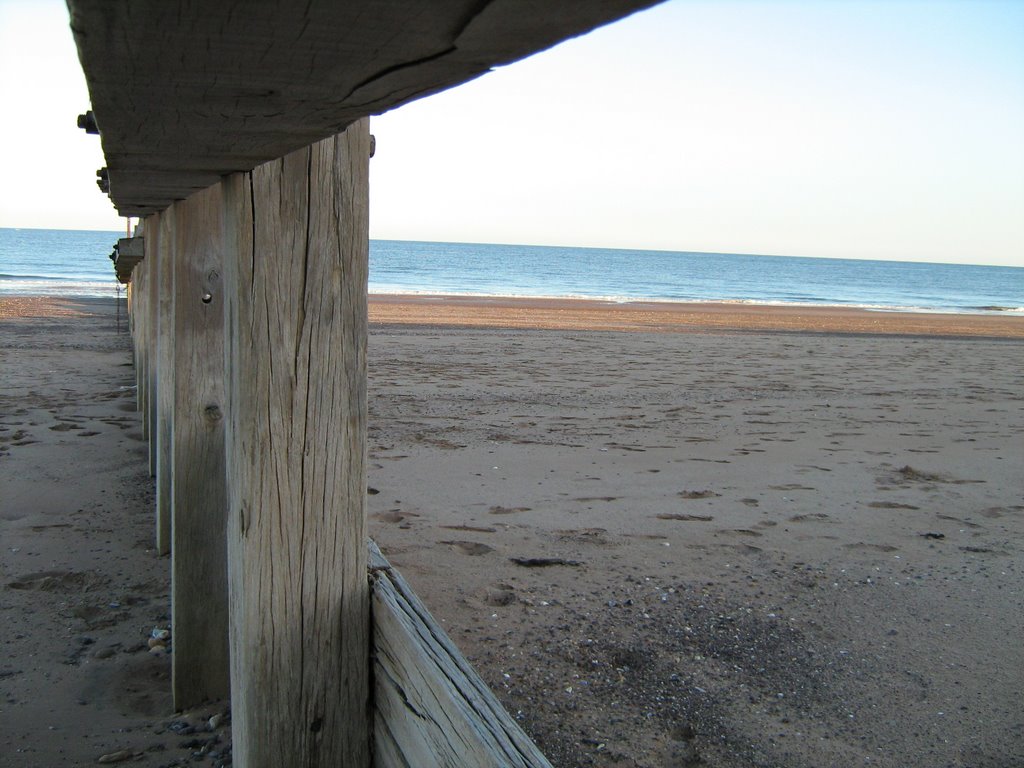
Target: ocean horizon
<point>74,263</point>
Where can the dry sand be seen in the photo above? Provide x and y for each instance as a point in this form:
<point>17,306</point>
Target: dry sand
<point>587,314</point>
<point>778,548</point>
<point>81,587</point>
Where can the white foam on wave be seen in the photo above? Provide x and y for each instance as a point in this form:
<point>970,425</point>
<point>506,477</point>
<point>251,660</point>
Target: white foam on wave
<point>618,299</point>
<point>42,287</point>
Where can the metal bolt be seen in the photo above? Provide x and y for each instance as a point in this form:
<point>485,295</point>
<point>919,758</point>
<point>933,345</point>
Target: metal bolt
<point>87,123</point>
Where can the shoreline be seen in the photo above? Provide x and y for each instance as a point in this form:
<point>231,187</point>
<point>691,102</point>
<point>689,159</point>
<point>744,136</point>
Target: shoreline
<point>679,317</point>
<point>577,314</point>
<point>652,316</point>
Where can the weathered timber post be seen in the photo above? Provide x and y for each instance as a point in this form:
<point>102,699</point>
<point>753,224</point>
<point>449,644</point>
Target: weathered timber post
<point>129,289</point>
<point>163,429</point>
<point>297,246</point>
<point>152,360</point>
<point>139,277</point>
<point>199,589</point>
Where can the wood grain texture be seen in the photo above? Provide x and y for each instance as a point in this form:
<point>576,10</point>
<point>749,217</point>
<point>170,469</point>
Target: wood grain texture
<point>162,368</point>
<point>431,709</point>
<point>152,360</point>
<point>295,278</point>
<point>139,314</point>
<point>199,589</point>
<point>129,294</point>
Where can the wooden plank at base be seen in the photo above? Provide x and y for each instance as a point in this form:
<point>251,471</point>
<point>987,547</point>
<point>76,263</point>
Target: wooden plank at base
<point>431,707</point>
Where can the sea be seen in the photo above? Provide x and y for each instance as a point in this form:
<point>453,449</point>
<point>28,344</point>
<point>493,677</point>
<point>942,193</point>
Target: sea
<point>57,262</point>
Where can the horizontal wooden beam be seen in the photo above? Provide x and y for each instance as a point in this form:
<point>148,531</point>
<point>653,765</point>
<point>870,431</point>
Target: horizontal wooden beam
<point>431,709</point>
<point>185,93</point>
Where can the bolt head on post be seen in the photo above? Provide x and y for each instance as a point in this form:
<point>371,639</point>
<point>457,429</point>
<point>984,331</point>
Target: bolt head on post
<point>87,122</point>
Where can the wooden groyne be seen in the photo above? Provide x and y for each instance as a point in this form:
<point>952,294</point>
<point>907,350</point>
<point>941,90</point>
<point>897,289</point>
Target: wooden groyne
<point>266,494</point>
<point>251,372</point>
<point>239,135</point>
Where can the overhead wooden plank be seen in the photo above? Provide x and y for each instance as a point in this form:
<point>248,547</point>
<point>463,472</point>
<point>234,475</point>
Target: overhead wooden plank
<point>199,587</point>
<point>295,285</point>
<point>431,709</point>
<point>127,253</point>
<point>163,371</point>
<point>185,92</point>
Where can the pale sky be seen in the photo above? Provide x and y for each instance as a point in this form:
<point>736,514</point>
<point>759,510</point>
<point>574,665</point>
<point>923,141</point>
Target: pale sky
<point>887,129</point>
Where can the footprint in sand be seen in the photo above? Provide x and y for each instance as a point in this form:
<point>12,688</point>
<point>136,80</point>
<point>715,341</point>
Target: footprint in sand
<point>395,516</point>
<point>860,545</point>
<point>470,528</point>
<point>984,551</point>
<point>58,581</point>
<point>499,594</point>
<point>469,547</point>
<point>994,513</point>
<point>593,536</point>
<point>819,517</point>
<point>119,423</point>
<point>581,533</point>
<point>697,494</point>
<point>744,549</point>
<point>497,510</point>
<point>960,520</point>
<point>907,474</point>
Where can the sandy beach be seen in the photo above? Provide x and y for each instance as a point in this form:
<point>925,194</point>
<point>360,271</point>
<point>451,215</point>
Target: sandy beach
<point>666,535</point>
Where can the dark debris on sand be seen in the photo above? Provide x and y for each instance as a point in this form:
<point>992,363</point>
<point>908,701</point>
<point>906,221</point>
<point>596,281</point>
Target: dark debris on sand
<point>678,675</point>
